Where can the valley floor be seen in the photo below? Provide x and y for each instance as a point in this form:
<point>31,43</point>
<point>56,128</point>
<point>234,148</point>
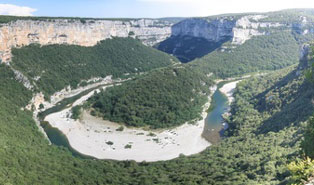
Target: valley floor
<point>102,139</point>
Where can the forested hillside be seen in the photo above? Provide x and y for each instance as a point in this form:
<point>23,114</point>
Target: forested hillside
<point>302,169</point>
<point>163,98</point>
<point>249,155</point>
<point>270,52</point>
<point>54,67</point>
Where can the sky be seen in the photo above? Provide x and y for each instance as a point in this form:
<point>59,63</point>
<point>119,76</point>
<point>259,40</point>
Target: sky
<point>143,8</point>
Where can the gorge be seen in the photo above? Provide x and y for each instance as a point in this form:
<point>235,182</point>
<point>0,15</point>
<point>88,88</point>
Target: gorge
<point>130,99</point>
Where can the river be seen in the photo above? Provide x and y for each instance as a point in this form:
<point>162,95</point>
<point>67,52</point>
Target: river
<point>214,123</point>
<point>211,132</point>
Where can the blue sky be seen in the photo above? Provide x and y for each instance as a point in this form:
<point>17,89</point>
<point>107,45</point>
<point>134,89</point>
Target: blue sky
<point>143,8</point>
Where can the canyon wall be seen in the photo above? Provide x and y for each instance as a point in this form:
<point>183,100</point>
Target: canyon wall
<point>215,30</point>
<point>150,31</point>
<point>239,29</point>
<point>70,31</point>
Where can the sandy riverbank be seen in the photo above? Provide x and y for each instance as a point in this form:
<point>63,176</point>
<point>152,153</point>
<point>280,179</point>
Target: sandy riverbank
<point>98,138</point>
<point>228,90</point>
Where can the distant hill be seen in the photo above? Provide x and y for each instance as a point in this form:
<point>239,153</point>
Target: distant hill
<point>217,40</point>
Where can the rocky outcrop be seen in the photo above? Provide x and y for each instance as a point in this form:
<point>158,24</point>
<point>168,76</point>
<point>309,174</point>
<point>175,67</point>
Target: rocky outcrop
<point>70,31</point>
<point>246,29</point>
<point>20,77</point>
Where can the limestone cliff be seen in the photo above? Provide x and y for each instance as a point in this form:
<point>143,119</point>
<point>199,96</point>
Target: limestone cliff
<point>215,30</point>
<point>70,31</point>
<point>239,30</point>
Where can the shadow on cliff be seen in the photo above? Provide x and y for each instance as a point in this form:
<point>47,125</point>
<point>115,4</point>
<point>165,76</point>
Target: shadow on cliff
<point>187,48</point>
<point>294,110</point>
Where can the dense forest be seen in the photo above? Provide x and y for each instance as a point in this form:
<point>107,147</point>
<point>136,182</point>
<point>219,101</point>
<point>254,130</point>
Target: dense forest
<point>269,52</point>
<point>302,169</point>
<point>54,67</point>
<point>249,155</point>
<point>163,98</point>
<point>263,145</point>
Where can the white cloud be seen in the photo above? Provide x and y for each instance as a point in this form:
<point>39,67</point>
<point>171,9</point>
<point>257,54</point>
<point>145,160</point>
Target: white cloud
<point>10,9</point>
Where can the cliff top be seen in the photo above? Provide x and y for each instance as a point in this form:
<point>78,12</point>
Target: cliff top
<point>7,19</point>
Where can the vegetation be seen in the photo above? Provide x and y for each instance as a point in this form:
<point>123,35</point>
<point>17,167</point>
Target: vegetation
<point>8,19</point>
<point>266,124</point>
<point>270,52</point>
<point>290,15</point>
<point>164,98</point>
<point>10,89</point>
<point>76,112</point>
<point>128,146</point>
<point>151,134</point>
<point>121,128</point>
<point>307,144</point>
<point>109,143</point>
<point>250,155</point>
<point>303,168</point>
<point>61,65</point>
<point>64,103</point>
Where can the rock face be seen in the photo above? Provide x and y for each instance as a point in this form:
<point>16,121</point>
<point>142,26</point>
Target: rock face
<point>88,33</point>
<point>150,31</point>
<point>248,26</point>
<point>216,30</point>
<point>196,37</point>
<point>239,30</point>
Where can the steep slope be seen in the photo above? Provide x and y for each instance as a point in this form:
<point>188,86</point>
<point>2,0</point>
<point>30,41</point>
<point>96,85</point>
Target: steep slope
<point>52,68</point>
<point>269,52</point>
<point>302,169</point>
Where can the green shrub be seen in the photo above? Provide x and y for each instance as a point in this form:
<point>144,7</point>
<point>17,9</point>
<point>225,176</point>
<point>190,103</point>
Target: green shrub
<point>120,129</point>
<point>301,170</point>
<point>76,112</point>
